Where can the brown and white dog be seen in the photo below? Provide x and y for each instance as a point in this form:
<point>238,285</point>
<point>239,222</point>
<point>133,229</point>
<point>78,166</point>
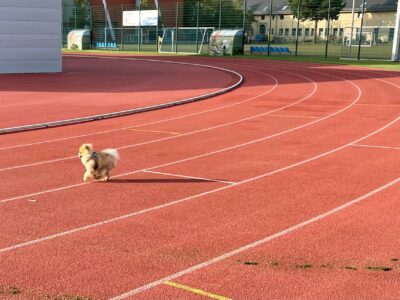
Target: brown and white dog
<point>97,164</point>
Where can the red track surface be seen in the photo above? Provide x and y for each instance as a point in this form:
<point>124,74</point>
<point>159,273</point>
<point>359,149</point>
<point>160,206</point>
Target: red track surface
<point>286,188</point>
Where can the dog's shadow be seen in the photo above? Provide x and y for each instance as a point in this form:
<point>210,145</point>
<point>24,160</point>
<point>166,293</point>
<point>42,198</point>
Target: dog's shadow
<point>159,180</point>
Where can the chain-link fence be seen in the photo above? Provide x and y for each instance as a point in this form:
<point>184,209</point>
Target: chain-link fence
<point>328,28</point>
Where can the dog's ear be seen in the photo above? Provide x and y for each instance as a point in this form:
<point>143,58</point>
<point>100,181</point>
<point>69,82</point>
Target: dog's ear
<point>89,147</point>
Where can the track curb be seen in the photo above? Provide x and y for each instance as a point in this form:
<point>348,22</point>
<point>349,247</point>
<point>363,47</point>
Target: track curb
<point>129,111</point>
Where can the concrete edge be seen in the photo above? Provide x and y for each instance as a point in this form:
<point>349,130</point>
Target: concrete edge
<point>129,111</point>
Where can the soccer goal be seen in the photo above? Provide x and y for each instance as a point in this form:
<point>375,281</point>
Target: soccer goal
<point>374,40</point>
<point>190,40</point>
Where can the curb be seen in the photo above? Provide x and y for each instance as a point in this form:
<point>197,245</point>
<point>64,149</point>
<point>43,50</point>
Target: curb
<point>128,111</point>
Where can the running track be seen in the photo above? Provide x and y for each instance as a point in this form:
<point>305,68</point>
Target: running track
<point>285,188</point>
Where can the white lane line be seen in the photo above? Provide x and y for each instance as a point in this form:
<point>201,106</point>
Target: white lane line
<point>159,121</point>
<point>209,153</point>
<point>187,133</point>
<point>190,177</point>
<point>373,146</point>
<point>139,109</point>
<point>126,216</point>
<point>254,244</point>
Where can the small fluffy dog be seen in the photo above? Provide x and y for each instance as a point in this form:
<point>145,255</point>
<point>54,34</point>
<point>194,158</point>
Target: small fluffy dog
<point>97,164</point>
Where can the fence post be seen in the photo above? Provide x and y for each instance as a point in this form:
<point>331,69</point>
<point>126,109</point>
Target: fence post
<point>158,22</point>
<point>176,27</point>
<point>220,14</point>
<point>122,31</point>
<point>327,34</point>
<point>75,17</point>
<point>270,26</point>
<point>140,27</point>
<point>297,28</point>
<point>197,27</point>
<point>244,15</point>
<point>361,28</point>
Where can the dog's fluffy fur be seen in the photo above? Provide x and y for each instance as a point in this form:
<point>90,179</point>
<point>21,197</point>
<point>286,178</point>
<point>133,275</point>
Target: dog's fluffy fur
<point>97,164</point>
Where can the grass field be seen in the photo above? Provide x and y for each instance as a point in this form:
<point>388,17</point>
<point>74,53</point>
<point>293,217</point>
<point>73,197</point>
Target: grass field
<point>289,57</point>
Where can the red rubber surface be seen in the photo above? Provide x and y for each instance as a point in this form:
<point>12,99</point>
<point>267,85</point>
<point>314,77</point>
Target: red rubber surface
<point>286,188</point>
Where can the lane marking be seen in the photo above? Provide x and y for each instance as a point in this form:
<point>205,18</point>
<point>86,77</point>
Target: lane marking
<point>294,116</point>
<point>373,146</point>
<point>154,208</point>
<point>384,105</point>
<point>163,120</point>
<point>184,134</point>
<point>131,111</point>
<point>189,177</point>
<point>254,244</point>
<point>209,153</point>
<point>155,131</point>
<point>195,291</point>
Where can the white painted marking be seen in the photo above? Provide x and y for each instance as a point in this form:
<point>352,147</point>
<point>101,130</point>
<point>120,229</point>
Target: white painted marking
<point>184,134</point>
<point>373,146</point>
<point>209,153</point>
<point>126,216</point>
<point>254,244</point>
<point>190,177</point>
<point>159,121</point>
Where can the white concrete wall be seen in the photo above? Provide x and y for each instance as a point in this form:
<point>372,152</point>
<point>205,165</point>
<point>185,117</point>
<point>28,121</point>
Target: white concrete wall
<point>30,36</point>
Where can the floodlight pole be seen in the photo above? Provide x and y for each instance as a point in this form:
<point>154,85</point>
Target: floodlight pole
<point>396,38</point>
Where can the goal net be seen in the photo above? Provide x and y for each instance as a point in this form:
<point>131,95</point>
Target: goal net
<point>190,40</point>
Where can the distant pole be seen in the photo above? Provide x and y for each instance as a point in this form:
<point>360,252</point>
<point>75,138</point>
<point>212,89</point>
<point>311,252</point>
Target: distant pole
<point>396,38</point>
<point>298,24</point>
<point>197,27</point>
<point>361,29</point>
<point>244,14</point>
<point>327,33</point>
<point>352,25</point>
<point>270,26</point>
<point>220,14</point>
<point>176,27</point>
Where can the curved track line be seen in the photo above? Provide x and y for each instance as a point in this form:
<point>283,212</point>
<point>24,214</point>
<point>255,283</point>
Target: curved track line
<point>130,215</point>
<point>255,244</point>
<point>202,155</point>
<point>154,122</point>
<point>135,110</point>
<point>183,134</point>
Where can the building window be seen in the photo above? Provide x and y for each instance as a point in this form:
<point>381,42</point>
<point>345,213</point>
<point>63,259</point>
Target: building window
<point>280,31</point>
<point>281,17</point>
<point>320,31</point>
<point>300,31</point>
<point>293,31</point>
<point>262,17</point>
<point>312,31</point>
<point>307,32</point>
<point>262,29</point>
<point>286,31</point>
<point>335,31</point>
<point>341,32</point>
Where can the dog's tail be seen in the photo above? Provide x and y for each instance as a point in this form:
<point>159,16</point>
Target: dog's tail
<point>113,152</point>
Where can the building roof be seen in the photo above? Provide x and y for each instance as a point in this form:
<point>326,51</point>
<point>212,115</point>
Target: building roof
<point>261,7</point>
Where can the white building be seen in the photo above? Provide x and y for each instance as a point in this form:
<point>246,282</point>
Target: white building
<point>30,36</point>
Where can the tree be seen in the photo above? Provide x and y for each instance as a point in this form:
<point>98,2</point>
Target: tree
<point>316,10</point>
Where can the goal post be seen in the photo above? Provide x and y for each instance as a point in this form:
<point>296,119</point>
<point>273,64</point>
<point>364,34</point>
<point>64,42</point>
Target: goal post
<point>373,39</point>
<point>189,40</point>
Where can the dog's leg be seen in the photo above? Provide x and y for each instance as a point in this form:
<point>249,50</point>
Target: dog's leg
<point>89,172</point>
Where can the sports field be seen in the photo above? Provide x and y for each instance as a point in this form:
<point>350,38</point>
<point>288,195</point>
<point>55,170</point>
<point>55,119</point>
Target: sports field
<point>261,179</point>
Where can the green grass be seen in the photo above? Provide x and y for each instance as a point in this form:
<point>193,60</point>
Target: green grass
<point>388,65</point>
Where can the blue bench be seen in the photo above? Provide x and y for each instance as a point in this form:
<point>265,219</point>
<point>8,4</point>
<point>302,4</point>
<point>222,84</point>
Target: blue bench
<point>263,50</point>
